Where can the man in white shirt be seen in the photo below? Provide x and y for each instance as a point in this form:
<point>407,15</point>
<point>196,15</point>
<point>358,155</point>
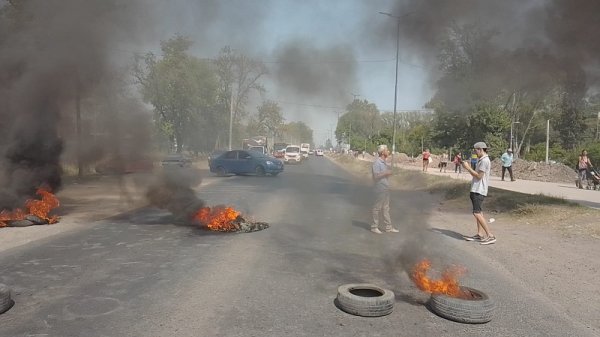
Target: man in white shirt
<point>479,190</point>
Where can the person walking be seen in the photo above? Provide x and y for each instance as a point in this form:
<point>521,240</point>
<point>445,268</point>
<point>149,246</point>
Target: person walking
<point>507,160</point>
<point>381,207</point>
<point>473,159</point>
<point>457,163</point>
<point>479,190</point>
<point>426,155</point>
<point>583,166</point>
<point>444,161</point>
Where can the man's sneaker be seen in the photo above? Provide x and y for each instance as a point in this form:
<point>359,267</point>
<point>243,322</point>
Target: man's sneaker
<point>488,241</point>
<point>475,237</point>
<point>376,230</point>
<point>392,230</point>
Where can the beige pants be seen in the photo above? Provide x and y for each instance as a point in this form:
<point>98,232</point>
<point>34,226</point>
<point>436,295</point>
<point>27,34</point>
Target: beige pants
<point>382,207</point>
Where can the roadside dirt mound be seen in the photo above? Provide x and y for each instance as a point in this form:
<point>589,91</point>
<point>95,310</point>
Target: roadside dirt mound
<point>522,169</point>
<point>538,171</point>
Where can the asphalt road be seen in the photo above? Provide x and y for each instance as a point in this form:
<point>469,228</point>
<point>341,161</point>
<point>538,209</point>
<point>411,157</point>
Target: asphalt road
<point>140,274</point>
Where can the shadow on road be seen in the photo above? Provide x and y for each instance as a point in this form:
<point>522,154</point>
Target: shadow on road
<point>448,233</point>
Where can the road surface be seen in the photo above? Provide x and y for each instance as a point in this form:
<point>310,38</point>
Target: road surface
<point>140,274</point>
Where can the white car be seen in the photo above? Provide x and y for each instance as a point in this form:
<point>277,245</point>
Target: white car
<point>319,153</point>
<point>292,154</point>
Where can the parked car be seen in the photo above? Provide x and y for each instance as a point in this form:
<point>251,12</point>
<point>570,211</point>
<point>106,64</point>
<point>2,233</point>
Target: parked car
<point>319,153</point>
<point>292,154</point>
<point>176,160</point>
<point>279,153</point>
<point>279,150</point>
<point>244,162</point>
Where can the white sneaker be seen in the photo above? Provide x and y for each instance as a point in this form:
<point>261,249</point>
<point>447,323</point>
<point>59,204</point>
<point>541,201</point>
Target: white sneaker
<point>376,230</point>
<point>392,230</point>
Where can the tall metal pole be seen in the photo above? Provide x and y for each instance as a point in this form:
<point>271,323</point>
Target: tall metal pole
<point>231,117</point>
<point>395,92</point>
<point>547,139</point>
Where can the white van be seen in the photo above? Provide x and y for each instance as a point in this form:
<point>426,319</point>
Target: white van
<point>304,149</point>
<point>292,154</point>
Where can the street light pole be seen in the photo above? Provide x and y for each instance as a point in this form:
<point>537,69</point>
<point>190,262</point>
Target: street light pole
<point>396,80</point>
<point>231,117</point>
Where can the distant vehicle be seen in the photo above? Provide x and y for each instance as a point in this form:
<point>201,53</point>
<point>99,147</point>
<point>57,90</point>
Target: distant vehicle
<point>176,160</point>
<point>259,149</point>
<point>305,149</point>
<point>245,162</point>
<point>292,154</point>
<point>256,143</point>
<point>279,150</point>
<point>319,153</point>
<point>119,165</point>
<point>311,152</point>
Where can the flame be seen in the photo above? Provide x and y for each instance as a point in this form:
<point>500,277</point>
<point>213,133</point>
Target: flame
<point>40,208</point>
<point>218,218</point>
<point>447,284</point>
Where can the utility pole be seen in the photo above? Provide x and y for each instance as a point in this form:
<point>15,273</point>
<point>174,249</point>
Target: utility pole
<point>230,117</point>
<point>78,126</point>
<point>548,139</point>
<point>398,20</point>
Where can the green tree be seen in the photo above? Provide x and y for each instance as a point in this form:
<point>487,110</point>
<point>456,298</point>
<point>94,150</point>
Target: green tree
<point>269,118</point>
<point>296,133</point>
<point>358,125</point>
<point>239,76</point>
<point>181,88</point>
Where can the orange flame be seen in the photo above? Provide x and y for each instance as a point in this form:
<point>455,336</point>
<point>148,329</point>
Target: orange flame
<point>218,218</point>
<point>40,208</point>
<point>447,284</point>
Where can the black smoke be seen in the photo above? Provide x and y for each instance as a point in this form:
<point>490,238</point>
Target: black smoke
<point>529,41</point>
<point>53,55</point>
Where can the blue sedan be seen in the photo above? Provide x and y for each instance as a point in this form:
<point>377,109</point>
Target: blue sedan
<point>243,162</point>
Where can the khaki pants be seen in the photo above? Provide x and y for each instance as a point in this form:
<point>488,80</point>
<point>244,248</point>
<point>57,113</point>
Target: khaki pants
<point>382,207</point>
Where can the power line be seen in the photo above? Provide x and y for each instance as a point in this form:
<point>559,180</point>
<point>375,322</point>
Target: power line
<point>309,105</point>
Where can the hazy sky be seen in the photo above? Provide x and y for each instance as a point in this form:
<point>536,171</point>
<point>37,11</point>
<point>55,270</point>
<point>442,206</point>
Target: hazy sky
<point>330,46</point>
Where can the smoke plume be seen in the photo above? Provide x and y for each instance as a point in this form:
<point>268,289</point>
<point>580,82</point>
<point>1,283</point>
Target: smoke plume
<point>530,41</point>
<point>53,54</point>
<point>305,71</point>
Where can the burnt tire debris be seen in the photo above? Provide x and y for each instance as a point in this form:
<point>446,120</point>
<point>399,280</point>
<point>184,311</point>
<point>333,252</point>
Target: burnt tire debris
<point>6,301</point>
<point>29,220</point>
<point>477,308</point>
<point>364,299</point>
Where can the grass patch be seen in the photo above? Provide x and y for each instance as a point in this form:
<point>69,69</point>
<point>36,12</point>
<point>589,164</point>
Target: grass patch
<point>456,192</point>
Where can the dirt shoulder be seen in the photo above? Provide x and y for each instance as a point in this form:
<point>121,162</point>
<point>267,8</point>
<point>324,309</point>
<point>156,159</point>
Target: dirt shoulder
<point>548,245</point>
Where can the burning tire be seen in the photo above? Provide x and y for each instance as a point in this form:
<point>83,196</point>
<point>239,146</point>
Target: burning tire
<point>363,299</point>
<point>5,301</point>
<point>474,307</point>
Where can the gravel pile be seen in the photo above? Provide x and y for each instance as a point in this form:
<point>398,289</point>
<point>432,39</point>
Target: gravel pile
<point>522,169</point>
<point>538,171</point>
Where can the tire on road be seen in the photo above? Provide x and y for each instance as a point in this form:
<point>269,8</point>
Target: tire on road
<point>221,171</point>
<point>477,310</point>
<point>5,301</point>
<point>364,299</point>
<point>260,171</point>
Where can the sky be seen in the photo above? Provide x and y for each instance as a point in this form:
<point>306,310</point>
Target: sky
<point>330,46</point>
